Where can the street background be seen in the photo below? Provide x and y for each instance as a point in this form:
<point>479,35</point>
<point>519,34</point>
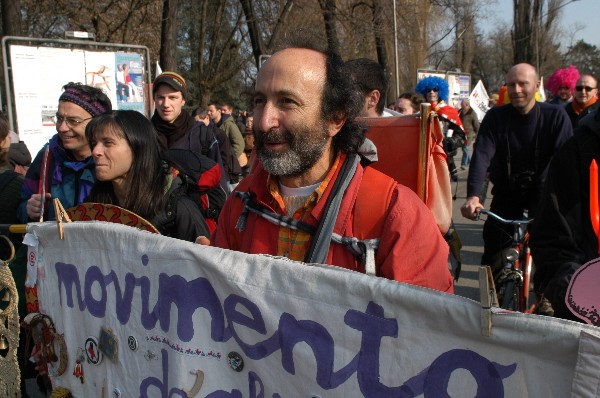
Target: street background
<point>470,233</point>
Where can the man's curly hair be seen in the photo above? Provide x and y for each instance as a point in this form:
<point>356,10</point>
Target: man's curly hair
<point>341,100</point>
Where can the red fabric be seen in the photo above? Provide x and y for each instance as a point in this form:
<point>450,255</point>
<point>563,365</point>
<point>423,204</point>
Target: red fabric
<point>448,112</point>
<point>397,142</point>
<point>411,249</point>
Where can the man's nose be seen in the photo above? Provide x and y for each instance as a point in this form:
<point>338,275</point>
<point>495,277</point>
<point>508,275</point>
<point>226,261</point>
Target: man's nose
<point>268,117</point>
<point>61,125</point>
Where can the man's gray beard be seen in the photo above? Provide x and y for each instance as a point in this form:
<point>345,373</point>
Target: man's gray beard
<point>294,161</point>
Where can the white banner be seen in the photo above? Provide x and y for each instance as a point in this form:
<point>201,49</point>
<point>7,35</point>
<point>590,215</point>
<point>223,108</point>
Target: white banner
<point>38,76</point>
<point>176,319</point>
<point>39,73</point>
<point>479,100</point>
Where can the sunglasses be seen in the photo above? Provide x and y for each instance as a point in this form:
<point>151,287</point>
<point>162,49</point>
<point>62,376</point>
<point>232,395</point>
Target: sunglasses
<point>435,90</point>
<point>587,88</point>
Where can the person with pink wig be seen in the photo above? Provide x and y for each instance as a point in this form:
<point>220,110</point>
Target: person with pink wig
<point>562,85</point>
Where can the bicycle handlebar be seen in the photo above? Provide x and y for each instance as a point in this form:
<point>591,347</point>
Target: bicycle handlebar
<point>502,220</point>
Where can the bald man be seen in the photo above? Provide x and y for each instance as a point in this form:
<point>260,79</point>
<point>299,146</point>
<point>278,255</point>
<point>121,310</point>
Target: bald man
<point>585,99</point>
<point>515,143</point>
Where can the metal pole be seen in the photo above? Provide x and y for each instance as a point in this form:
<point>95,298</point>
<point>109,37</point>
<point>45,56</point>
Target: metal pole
<point>396,53</point>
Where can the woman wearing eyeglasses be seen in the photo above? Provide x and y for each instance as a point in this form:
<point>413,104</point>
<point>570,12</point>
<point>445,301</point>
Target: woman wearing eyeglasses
<point>64,168</point>
<point>585,99</point>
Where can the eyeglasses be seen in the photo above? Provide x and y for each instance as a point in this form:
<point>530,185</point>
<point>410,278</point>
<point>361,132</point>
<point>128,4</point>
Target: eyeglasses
<point>587,88</point>
<point>71,121</point>
<point>435,90</point>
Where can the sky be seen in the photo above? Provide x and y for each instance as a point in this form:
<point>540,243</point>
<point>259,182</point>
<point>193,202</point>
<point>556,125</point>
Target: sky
<point>579,19</point>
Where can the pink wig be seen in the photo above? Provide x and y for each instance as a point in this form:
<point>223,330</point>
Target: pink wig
<point>566,77</point>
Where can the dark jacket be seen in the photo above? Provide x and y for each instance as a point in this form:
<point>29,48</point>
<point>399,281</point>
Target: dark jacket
<point>201,140</point>
<point>575,118</point>
<point>230,162</point>
<point>562,237</point>
<point>504,132</point>
<point>10,187</point>
<point>69,180</point>
<point>180,217</point>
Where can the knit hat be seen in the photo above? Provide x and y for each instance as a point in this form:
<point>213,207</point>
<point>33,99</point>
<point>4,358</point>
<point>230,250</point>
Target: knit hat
<point>173,80</point>
<point>79,94</point>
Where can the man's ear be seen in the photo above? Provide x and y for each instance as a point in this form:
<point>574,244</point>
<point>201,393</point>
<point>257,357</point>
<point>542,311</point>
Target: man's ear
<point>335,124</point>
<point>373,99</point>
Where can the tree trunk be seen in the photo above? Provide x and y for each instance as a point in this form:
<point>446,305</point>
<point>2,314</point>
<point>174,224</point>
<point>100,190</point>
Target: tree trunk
<point>251,23</point>
<point>329,14</point>
<point>11,18</point>
<point>168,35</point>
<point>382,58</point>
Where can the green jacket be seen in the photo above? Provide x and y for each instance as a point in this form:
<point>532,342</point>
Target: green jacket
<point>235,136</point>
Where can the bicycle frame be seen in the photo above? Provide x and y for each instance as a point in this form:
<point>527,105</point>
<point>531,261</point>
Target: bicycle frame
<point>514,281</point>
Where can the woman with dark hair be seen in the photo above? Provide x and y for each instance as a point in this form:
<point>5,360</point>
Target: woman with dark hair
<point>130,173</point>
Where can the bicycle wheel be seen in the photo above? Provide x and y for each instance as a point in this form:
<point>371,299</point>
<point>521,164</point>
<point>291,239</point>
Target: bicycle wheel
<point>510,297</point>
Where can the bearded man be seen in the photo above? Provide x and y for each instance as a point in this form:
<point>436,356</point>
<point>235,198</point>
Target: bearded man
<point>308,195</point>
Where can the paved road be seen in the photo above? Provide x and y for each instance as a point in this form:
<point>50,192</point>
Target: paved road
<point>470,233</point>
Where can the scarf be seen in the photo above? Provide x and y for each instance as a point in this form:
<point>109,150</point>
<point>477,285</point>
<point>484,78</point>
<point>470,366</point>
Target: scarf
<point>170,133</point>
<point>578,108</point>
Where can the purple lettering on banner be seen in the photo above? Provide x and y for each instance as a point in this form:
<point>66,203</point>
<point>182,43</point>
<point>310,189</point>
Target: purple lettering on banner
<point>435,379</point>
<point>68,275</point>
<point>225,394</point>
<point>149,318</point>
<point>374,326</point>
<point>123,301</point>
<point>487,375</point>
<point>187,297</point>
<point>292,331</point>
<point>238,311</point>
<point>97,308</point>
<point>162,385</point>
<point>256,323</point>
<point>253,379</point>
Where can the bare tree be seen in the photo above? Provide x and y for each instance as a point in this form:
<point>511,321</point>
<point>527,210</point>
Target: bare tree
<point>214,49</point>
<point>168,34</point>
<point>261,43</point>
<point>11,20</point>
<point>329,10</point>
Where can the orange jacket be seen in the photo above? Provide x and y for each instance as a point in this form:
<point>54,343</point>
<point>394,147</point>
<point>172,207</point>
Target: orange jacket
<point>411,248</point>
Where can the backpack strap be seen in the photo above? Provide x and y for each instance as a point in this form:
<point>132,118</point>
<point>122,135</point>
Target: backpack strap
<point>370,209</point>
<point>371,206</point>
<point>206,133</point>
<point>319,247</point>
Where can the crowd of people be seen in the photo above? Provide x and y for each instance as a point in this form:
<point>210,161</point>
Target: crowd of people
<point>300,163</point>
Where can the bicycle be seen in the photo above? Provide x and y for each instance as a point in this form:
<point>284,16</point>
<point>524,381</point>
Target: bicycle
<point>512,283</point>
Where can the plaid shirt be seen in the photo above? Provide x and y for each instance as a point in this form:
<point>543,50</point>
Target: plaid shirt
<point>294,244</point>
